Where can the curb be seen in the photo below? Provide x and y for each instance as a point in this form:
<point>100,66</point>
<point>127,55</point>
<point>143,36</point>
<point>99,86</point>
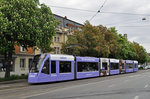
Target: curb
<point>13,81</point>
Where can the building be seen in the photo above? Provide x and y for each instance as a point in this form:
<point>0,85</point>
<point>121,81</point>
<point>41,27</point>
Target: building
<point>23,58</point>
<point>20,63</point>
<point>64,29</point>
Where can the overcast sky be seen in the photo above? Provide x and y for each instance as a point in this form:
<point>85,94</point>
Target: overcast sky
<point>138,30</point>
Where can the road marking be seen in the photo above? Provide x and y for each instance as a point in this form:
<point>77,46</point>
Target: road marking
<point>145,86</point>
<point>136,97</point>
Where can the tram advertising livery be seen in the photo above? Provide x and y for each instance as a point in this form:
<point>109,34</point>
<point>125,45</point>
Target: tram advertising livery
<point>53,67</point>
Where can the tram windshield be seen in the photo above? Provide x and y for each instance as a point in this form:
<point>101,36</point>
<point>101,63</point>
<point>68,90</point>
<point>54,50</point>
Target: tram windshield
<point>36,63</point>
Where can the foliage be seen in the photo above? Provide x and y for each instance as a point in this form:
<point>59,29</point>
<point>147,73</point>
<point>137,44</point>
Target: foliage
<point>142,55</point>
<point>14,77</point>
<point>99,41</point>
<point>25,23</point>
<point>86,42</point>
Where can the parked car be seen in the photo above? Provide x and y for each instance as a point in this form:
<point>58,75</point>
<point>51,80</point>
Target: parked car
<point>147,67</point>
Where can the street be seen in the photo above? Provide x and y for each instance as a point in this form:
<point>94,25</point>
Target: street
<point>125,86</point>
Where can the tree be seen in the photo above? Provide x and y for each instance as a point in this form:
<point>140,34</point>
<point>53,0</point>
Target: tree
<point>98,41</point>
<point>25,23</point>
<point>142,55</point>
<point>86,42</point>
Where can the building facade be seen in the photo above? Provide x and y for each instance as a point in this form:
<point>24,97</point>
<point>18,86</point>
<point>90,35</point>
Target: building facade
<point>65,28</point>
<point>20,63</point>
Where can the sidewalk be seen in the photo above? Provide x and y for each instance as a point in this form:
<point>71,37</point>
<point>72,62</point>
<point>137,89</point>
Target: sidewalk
<point>13,84</point>
<point>13,81</point>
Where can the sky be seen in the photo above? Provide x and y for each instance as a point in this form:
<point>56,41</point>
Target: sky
<point>129,22</point>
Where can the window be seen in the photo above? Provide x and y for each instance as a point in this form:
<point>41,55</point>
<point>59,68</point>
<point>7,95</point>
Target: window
<point>2,68</point>
<point>37,62</point>
<point>104,66</point>
<point>29,62</point>
<point>53,66</point>
<point>64,67</point>
<point>56,39</point>
<point>87,66</point>
<point>136,65</point>
<point>22,63</point>
<point>114,66</point>
<point>129,65</point>
<point>56,50</point>
<point>45,68</point>
<point>123,65</point>
<point>22,49</point>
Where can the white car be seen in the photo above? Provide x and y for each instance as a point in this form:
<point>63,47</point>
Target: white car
<point>147,67</point>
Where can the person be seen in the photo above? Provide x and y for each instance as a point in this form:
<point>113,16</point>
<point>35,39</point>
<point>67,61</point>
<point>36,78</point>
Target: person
<point>107,69</point>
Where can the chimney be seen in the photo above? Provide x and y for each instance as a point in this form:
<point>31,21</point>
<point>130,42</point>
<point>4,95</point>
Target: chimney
<point>65,17</point>
<point>125,35</point>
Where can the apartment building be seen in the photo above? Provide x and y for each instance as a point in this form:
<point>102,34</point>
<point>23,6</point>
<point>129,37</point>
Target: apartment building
<point>64,29</point>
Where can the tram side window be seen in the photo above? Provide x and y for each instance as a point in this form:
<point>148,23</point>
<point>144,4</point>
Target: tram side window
<point>53,66</point>
<point>104,66</point>
<point>129,65</point>
<point>87,66</point>
<point>64,66</point>
<point>136,65</point>
<point>123,65</point>
<point>114,66</point>
<point>45,68</point>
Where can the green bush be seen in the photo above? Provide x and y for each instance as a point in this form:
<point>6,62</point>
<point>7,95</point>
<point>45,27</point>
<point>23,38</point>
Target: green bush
<point>14,77</point>
<point>140,68</point>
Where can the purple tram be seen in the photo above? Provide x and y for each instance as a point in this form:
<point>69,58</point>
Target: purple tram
<point>122,66</point>
<point>51,68</point>
<point>129,66</point>
<point>104,66</point>
<point>135,66</point>
<point>114,66</point>
<point>87,67</point>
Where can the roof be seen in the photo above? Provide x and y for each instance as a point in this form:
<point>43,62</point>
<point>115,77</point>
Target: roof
<point>68,19</point>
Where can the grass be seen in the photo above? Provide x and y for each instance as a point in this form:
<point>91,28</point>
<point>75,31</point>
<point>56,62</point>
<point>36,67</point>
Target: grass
<point>14,77</point>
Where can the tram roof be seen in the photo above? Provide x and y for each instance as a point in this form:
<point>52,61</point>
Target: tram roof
<point>104,59</point>
<point>114,60</point>
<point>61,57</point>
<point>129,61</point>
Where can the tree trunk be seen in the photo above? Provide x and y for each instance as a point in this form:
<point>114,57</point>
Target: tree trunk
<point>8,59</point>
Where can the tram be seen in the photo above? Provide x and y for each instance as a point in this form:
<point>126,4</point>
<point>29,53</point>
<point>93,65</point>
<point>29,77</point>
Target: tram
<point>54,67</point>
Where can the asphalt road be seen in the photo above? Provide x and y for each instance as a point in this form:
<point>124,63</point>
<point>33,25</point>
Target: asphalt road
<point>125,86</point>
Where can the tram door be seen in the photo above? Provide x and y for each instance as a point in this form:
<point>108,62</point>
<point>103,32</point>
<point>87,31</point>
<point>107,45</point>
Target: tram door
<point>53,69</point>
<point>44,76</point>
<point>105,69</point>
